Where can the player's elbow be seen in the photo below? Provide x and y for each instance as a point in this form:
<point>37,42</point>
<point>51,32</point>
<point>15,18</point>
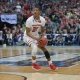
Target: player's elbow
<point>28,33</point>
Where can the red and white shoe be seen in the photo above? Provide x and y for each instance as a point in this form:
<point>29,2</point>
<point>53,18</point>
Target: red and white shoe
<point>36,66</point>
<point>52,67</point>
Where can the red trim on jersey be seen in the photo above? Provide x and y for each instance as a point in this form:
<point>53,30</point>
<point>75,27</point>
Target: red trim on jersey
<point>36,25</point>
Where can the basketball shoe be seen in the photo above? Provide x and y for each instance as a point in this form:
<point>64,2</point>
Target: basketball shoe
<point>52,67</point>
<point>36,66</point>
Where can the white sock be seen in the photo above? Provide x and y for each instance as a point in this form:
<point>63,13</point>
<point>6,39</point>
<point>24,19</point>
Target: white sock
<point>50,62</point>
<point>33,61</point>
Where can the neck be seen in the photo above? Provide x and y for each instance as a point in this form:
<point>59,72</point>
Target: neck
<point>36,17</point>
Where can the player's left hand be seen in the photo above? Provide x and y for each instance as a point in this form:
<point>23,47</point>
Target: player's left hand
<point>42,42</point>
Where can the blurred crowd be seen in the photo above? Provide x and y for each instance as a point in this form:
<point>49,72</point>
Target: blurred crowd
<point>62,20</point>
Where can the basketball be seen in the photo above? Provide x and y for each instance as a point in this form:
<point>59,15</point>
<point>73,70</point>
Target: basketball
<point>43,42</point>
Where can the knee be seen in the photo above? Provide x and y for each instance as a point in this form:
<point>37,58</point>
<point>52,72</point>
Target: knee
<point>34,49</point>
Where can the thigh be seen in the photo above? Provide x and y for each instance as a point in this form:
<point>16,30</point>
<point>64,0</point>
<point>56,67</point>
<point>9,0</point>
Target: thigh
<point>29,40</point>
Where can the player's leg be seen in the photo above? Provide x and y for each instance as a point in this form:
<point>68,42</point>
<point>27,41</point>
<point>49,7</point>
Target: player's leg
<point>34,51</point>
<point>34,48</point>
<point>47,55</point>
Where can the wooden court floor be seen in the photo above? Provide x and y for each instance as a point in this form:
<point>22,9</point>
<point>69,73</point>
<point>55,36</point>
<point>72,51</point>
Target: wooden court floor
<point>9,72</point>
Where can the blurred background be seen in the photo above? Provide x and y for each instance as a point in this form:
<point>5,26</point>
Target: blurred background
<point>62,16</point>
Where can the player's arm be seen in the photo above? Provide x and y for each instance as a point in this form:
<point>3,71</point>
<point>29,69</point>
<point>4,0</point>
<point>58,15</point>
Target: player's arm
<point>43,31</point>
<point>28,32</point>
<point>43,28</point>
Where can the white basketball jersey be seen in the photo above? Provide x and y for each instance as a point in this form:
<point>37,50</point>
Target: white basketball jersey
<point>35,25</point>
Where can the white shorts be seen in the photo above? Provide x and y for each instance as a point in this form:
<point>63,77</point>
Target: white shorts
<point>28,40</point>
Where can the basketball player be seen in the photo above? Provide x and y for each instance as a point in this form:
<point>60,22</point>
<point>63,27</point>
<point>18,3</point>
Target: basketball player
<point>35,29</point>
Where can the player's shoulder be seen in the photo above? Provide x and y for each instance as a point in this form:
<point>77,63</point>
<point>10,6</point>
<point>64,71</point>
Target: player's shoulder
<point>42,18</point>
<point>43,21</point>
<point>30,18</point>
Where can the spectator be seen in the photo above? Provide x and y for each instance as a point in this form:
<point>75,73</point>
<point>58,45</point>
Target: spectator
<point>1,38</point>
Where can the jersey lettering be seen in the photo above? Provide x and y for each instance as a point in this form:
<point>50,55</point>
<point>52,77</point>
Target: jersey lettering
<point>34,29</point>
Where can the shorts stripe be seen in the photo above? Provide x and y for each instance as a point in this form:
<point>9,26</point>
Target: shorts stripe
<point>29,41</point>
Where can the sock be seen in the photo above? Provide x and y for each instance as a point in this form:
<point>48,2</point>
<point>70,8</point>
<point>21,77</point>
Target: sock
<point>33,61</point>
<point>50,62</point>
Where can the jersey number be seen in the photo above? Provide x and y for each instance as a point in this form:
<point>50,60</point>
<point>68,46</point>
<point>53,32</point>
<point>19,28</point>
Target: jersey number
<point>34,29</point>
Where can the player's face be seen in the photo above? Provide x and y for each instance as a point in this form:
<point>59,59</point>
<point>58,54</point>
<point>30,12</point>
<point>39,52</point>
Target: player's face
<point>36,12</point>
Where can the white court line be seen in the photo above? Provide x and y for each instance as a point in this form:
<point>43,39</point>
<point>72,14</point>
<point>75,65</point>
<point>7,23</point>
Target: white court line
<point>46,76</point>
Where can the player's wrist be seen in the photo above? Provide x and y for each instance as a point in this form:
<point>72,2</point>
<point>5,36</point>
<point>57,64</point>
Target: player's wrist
<point>37,39</point>
<point>43,36</point>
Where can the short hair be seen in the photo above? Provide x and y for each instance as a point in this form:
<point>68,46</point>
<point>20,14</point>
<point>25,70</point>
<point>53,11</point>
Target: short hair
<point>36,6</point>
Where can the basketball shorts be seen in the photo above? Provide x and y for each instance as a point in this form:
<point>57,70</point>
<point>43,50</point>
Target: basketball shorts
<point>29,41</point>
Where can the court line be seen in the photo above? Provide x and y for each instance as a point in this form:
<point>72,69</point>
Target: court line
<point>8,73</point>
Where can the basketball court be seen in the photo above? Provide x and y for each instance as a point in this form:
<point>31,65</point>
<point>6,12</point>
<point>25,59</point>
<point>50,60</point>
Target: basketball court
<point>15,63</point>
